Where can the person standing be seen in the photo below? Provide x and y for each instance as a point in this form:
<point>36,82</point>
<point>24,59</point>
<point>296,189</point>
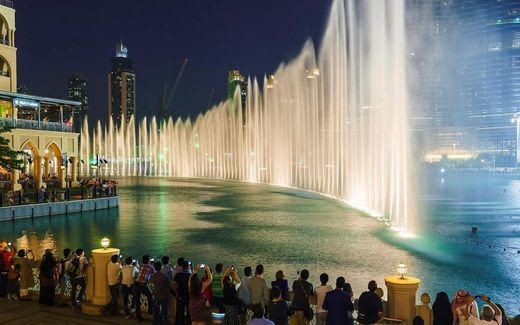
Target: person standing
<point>459,304</point>
<point>26,274</point>
<point>302,290</point>
<point>321,291</point>
<point>6,253</point>
<point>258,287</point>
<point>232,305</point>
<point>282,284</point>
<point>64,277</point>
<point>113,274</point>
<point>182,314</point>
<point>370,305</point>
<point>338,304</point>
<point>161,293</point>
<point>278,309</point>
<point>77,272</point>
<point>199,305</point>
<point>217,298</point>
<point>129,272</point>
<point>167,269</point>
<point>243,292</point>
<point>47,282</point>
<point>442,310</point>
<point>141,287</point>
<point>491,314</point>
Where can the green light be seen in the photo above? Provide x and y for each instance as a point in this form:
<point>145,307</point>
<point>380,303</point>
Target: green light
<point>161,157</point>
<point>197,146</point>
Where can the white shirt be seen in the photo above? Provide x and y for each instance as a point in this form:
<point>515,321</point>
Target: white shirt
<point>113,271</point>
<point>321,291</point>
<point>129,273</point>
<point>243,293</point>
<point>475,321</point>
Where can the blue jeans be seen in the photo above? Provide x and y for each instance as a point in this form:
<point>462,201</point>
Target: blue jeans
<point>160,312</point>
<point>139,289</point>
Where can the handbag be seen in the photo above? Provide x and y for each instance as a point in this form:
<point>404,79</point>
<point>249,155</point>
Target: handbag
<point>308,313</point>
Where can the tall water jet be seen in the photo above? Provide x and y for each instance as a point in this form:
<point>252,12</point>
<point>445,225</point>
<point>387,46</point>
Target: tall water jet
<point>334,123</point>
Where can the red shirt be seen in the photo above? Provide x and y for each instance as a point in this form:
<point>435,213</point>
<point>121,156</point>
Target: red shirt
<point>6,256</point>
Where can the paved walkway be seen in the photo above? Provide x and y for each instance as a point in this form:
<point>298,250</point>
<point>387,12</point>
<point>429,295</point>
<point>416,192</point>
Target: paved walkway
<point>30,312</point>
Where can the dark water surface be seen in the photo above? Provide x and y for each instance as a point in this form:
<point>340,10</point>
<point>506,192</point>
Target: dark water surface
<point>245,224</point>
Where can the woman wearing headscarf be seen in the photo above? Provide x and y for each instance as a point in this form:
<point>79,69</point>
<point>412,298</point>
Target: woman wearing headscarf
<point>441,308</point>
<point>47,282</point>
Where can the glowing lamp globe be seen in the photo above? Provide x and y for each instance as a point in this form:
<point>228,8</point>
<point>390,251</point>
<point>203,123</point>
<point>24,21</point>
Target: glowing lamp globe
<point>105,242</point>
<point>401,270</point>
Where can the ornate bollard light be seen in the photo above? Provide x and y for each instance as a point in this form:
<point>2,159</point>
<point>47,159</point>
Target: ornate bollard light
<point>401,294</point>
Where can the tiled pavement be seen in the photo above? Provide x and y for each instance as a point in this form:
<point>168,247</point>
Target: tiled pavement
<point>29,313</point>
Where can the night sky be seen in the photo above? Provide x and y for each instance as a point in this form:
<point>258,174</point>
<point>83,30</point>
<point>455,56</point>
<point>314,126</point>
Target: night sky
<point>57,38</point>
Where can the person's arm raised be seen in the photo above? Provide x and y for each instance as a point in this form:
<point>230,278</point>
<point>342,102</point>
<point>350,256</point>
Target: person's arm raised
<point>491,304</point>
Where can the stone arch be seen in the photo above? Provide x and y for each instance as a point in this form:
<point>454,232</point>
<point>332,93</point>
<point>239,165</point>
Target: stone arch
<point>4,27</point>
<point>33,167</point>
<point>5,67</point>
<point>52,160</point>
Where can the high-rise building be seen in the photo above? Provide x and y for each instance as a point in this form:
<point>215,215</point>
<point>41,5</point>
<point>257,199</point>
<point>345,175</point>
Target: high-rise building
<point>471,79</point>
<point>121,86</point>
<point>77,91</point>
<point>235,79</point>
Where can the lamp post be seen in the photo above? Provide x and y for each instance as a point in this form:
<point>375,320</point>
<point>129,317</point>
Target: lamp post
<point>401,294</point>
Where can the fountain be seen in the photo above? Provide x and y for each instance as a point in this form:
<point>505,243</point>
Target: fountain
<point>333,122</point>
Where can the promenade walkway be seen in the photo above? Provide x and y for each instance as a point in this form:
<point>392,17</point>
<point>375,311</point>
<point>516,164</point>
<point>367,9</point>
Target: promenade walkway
<point>30,312</point>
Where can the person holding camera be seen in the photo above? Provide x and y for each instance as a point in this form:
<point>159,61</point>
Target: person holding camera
<point>183,295</point>
<point>232,305</point>
<point>491,314</point>
<point>141,286</point>
<point>26,263</point>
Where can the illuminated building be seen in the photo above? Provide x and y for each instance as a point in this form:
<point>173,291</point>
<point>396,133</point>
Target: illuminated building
<point>121,86</point>
<point>235,79</point>
<point>77,91</point>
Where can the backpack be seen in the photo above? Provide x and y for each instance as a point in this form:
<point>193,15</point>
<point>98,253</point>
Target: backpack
<point>73,270</point>
<point>57,272</point>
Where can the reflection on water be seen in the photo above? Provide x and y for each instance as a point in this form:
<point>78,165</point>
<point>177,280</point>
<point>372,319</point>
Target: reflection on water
<point>245,224</point>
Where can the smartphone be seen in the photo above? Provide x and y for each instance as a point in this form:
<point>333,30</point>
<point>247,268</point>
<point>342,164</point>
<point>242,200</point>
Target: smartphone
<point>203,265</point>
<point>9,243</point>
<point>477,297</point>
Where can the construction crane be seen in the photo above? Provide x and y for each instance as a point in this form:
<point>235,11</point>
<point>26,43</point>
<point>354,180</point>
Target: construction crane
<point>167,97</point>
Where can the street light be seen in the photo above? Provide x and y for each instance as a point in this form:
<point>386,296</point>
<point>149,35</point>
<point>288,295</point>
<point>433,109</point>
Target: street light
<point>401,269</point>
<point>105,242</point>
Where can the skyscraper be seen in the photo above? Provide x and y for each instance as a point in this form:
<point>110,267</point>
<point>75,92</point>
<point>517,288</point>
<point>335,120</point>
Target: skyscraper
<point>77,91</point>
<point>121,86</point>
<point>235,79</point>
<point>472,61</point>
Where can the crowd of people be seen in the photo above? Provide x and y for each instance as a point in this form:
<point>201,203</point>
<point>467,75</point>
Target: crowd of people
<point>200,290</point>
<point>100,186</point>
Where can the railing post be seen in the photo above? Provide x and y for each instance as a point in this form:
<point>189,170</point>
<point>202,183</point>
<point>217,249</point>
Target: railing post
<point>115,190</point>
<point>53,195</point>
<point>1,199</point>
<point>82,195</point>
<point>20,197</point>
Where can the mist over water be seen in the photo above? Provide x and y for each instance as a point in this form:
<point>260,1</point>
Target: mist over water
<point>332,120</point>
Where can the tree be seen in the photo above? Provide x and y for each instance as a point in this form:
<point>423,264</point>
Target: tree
<point>10,159</point>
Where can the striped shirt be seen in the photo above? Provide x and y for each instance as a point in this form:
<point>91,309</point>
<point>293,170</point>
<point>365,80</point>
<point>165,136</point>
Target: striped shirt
<point>145,273</point>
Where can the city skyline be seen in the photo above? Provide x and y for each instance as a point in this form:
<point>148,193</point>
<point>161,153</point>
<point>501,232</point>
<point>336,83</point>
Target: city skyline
<point>214,37</point>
